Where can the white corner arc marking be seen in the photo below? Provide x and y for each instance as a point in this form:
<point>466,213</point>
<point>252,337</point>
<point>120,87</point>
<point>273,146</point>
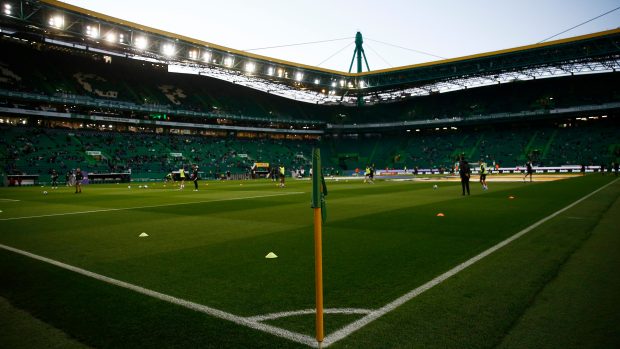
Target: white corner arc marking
<point>273,316</point>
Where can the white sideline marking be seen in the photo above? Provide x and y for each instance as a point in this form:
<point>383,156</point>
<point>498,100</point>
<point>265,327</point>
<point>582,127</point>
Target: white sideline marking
<point>150,206</point>
<point>374,315</point>
<point>9,200</point>
<point>273,316</point>
<point>248,322</point>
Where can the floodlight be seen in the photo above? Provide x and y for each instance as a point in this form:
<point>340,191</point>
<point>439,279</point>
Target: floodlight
<point>280,72</point>
<point>8,9</point>
<point>299,76</point>
<point>57,22</point>
<point>250,67</point>
<point>121,38</point>
<point>206,56</point>
<point>333,84</point>
<point>141,42</point>
<point>362,84</point>
<point>110,37</point>
<point>93,32</point>
<point>229,61</point>
<point>317,81</point>
<point>193,54</point>
<point>341,83</point>
<point>168,50</point>
<point>271,71</point>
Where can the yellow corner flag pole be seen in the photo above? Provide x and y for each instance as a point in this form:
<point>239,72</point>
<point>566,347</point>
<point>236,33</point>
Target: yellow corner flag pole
<point>318,271</point>
<point>319,190</point>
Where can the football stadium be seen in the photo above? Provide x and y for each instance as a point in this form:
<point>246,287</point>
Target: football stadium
<point>157,190</point>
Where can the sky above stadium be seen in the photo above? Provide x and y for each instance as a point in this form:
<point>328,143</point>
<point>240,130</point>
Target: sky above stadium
<point>396,32</point>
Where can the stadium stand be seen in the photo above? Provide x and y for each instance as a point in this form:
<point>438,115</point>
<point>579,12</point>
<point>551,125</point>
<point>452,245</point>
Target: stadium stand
<point>123,89</point>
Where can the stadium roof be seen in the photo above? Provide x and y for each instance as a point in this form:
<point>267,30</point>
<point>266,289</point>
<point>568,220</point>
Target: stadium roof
<point>64,24</point>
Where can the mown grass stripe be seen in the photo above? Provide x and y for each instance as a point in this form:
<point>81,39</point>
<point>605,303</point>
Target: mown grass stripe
<point>149,206</point>
<point>364,321</point>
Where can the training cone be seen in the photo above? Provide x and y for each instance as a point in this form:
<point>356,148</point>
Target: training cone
<point>271,255</point>
<point>511,197</point>
<point>440,214</point>
<point>143,235</point>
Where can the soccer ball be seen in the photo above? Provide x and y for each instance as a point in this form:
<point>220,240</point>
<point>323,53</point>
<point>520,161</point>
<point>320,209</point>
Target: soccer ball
<point>145,186</point>
<point>45,192</point>
<point>435,186</point>
<point>140,186</point>
<point>129,187</point>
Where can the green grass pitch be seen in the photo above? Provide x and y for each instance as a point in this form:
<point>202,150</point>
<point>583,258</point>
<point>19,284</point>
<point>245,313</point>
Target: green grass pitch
<point>556,286</point>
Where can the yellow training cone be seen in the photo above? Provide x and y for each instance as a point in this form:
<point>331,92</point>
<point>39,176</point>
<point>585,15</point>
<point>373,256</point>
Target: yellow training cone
<point>143,235</point>
<point>511,197</point>
<point>271,255</point>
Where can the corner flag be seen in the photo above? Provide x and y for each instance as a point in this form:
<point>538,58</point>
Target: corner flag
<point>319,191</point>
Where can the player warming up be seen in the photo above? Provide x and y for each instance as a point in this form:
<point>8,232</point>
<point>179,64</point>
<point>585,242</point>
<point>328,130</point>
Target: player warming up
<point>483,174</point>
<point>528,171</point>
<point>54,179</point>
<point>194,176</point>
<point>465,173</point>
<point>282,175</point>
<point>182,176</point>
<point>78,181</point>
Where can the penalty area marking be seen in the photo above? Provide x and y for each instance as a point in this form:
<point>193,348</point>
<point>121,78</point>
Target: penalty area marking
<point>375,314</point>
<point>150,206</point>
<point>11,200</point>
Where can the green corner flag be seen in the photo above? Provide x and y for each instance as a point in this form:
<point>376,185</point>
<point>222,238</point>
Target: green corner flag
<point>319,189</point>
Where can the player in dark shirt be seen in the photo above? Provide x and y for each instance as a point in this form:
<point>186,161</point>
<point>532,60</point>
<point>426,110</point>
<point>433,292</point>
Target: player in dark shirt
<point>194,177</point>
<point>54,179</point>
<point>78,181</point>
<point>465,173</point>
<point>529,171</point>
